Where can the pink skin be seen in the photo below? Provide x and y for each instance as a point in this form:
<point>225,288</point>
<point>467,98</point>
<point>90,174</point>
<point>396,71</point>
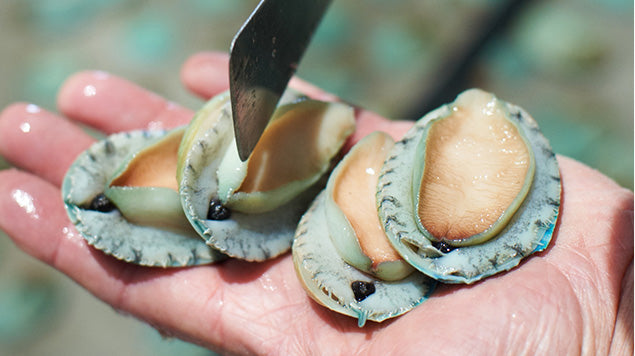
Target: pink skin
<point>575,298</point>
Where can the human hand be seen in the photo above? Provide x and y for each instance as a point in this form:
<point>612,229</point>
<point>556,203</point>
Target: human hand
<point>574,298</point>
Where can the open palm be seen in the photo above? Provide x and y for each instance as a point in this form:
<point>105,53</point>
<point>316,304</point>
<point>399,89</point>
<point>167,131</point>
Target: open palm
<point>574,298</point>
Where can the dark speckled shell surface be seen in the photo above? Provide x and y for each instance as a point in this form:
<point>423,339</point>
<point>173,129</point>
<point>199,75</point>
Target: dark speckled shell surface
<point>109,231</point>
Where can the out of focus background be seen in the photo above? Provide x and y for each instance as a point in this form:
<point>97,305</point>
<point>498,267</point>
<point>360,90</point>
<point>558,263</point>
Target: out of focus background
<point>568,62</point>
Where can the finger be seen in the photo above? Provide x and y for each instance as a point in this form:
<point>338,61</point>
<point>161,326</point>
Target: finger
<point>206,74</point>
<point>368,122</point>
<point>33,215</point>
<point>593,243</point>
<point>596,212</point>
<point>112,104</point>
<point>39,141</point>
<point>188,302</point>
<point>595,225</point>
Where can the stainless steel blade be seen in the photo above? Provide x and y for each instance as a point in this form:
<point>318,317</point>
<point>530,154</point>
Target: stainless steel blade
<point>264,55</point>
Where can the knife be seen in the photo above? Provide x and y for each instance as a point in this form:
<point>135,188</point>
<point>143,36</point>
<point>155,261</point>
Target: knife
<point>264,55</point>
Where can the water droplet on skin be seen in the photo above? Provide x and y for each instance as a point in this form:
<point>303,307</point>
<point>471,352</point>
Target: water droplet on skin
<point>66,231</point>
<point>25,127</point>
<point>33,109</point>
<point>25,201</point>
<point>268,283</point>
<point>155,125</point>
<point>172,106</point>
<point>89,91</point>
<point>101,75</point>
<point>71,234</point>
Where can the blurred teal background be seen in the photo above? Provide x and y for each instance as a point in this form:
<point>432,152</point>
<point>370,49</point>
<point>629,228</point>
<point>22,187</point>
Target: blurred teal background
<point>568,62</point>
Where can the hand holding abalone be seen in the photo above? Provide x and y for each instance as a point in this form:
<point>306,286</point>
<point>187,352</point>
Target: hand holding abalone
<point>468,192</point>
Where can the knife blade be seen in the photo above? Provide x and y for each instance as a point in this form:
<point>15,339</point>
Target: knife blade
<point>264,55</point>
